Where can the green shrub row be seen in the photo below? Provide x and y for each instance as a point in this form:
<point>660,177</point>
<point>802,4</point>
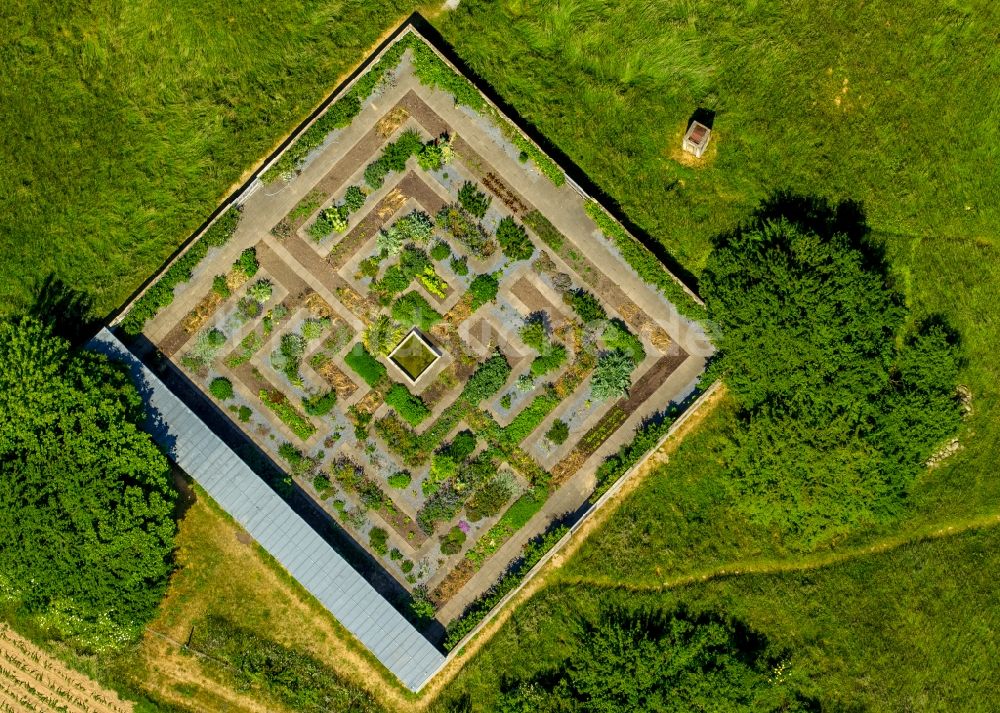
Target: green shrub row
<point>645,263</point>
<point>161,293</point>
<point>615,465</point>
<point>432,71</point>
<point>529,418</point>
<point>516,517</point>
<point>320,404</point>
<point>487,379</point>
<point>370,369</point>
<point>544,229</point>
<point>289,415</point>
<point>393,158</point>
<point>337,116</point>
<point>411,408</point>
<point>549,168</point>
<point>533,551</point>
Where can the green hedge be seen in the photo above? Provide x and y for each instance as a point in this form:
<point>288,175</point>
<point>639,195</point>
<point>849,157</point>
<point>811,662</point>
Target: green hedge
<point>299,424</point>
<point>532,554</point>
<point>161,293</point>
<point>516,517</point>
<point>488,379</point>
<point>365,365</point>
<point>411,408</point>
<point>529,418</point>
<point>645,263</point>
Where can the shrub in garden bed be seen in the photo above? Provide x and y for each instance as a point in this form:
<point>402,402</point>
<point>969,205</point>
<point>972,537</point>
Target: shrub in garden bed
<point>260,291</point>
<point>587,307</point>
<point>296,422</point>
<point>558,432</point>
<point>460,266</point>
<point>516,517</point>
<point>287,358</point>
<point>466,230</point>
<point>221,388</point>
<point>221,287</point>
<point>452,541</point>
<point>433,283</point>
<point>378,538</point>
<point>319,404</point>
<point>490,497</point>
<point>400,479</point>
<point>354,198</point>
<point>530,416</point>
<point>487,379</point>
<point>612,376</point>
<point>330,220</point>
<point>553,357</point>
<point>413,310</point>
<point>410,408</point>
<point>442,506</point>
<point>247,262</point>
<point>206,346</point>
<point>298,464</point>
<point>617,336</point>
<point>473,200</point>
<point>370,369</point>
<point>484,288</point>
<point>440,251</point>
<point>244,413</point>
<point>513,239</point>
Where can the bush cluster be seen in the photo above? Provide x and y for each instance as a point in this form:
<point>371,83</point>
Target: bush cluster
<point>473,200</point>
<point>484,288</point>
<point>296,422</point>
<point>378,538</point>
<point>410,408</point>
<point>487,379</point>
<point>558,432</point>
<point>400,479</point>
<point>587,307</point>
<point>452,541</point>
<point>393,158</point>
<point>612,376</point>
<point>468,231</point>
<point>221,388</point>
<point>514,240</point>
<point>319,404</point>
<point>413,310</point>
<point>617,336</point>
<point>370,369</point>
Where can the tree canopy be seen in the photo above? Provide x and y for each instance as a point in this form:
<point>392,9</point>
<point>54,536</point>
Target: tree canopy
<point>655,661</point>
<point>86,498</point>
<point>837,418</point>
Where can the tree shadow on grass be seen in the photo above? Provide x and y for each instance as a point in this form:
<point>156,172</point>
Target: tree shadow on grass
<point>69,312</point>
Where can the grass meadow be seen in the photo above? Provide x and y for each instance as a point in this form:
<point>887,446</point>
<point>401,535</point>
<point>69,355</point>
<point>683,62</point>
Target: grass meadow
<point>123,125</point>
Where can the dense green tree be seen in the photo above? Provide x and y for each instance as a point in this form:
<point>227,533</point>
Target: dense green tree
<point>836,419</point>
<point>639,662</point>
<point>86,498</point>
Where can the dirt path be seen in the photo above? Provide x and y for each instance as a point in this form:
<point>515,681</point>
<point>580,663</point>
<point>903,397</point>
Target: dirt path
<point>32,680</point>
<point>799,564</point>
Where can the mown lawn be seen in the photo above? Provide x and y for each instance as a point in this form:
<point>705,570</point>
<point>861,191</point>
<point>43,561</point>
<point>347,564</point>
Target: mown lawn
<point>122,125</point>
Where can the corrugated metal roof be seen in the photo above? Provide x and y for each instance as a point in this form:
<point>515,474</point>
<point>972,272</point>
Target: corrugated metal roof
<point>278,529</point>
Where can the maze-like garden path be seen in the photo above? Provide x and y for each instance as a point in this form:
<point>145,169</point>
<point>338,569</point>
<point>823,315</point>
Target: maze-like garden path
<point>278,343</point>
